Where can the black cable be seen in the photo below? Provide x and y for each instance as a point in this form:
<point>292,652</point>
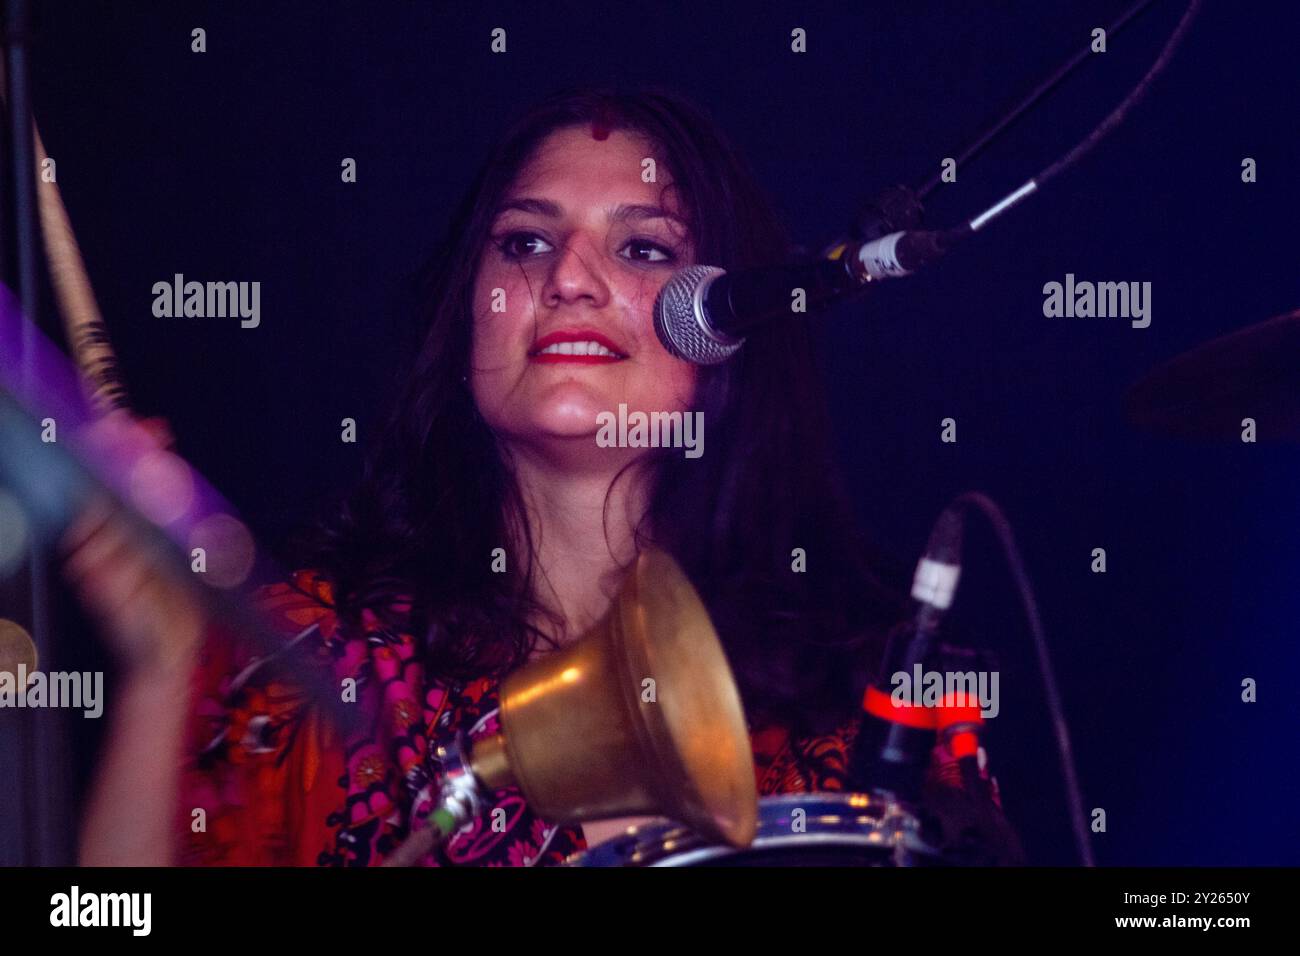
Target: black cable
<point>1037,94</point>
<point>982,502</point>
<point>1120,112</point>
<point>1089,142</point>
<point>1002,528</point>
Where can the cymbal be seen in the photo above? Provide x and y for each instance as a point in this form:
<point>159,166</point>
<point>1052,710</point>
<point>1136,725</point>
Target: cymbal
<point>1207,391</point>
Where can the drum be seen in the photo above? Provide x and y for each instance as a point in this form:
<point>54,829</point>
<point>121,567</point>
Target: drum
<point>799,829</point>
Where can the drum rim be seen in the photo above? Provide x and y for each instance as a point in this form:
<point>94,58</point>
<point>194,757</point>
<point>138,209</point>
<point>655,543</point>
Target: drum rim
<point>836,818</point>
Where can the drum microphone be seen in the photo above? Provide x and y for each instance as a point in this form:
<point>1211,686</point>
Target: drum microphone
<point>703,313</point>
<point>892,749</point>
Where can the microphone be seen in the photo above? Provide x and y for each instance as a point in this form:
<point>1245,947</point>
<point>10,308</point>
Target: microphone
<point>703,313</point>
<point>891,751</point>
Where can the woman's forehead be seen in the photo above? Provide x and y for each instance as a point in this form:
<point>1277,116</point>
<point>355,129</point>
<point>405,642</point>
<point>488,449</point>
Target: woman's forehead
<point>625,164</point>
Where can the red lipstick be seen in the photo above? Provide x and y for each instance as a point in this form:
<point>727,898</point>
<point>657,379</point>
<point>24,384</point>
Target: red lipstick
<point>561,337</point>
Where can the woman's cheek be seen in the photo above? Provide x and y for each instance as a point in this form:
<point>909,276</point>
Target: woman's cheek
<point>487,350</point>
<point>667,383</point>
<point>502,323</point>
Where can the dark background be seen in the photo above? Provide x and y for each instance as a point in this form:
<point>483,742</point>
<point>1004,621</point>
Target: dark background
<point>225,166</point>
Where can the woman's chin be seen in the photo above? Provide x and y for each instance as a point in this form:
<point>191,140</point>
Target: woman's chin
<point>563,425</point>
<point>568,432</point>
<point>569,411</point>
<point>572,444</point>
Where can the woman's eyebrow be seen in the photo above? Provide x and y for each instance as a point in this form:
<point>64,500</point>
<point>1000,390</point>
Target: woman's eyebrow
<point>629,213</point>
<point>624,212</point>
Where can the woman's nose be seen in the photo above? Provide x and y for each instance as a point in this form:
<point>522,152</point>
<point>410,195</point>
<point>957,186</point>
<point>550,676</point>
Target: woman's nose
<point>578,273</point>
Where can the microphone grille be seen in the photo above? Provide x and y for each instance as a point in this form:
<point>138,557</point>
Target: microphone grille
<point>679,318</point>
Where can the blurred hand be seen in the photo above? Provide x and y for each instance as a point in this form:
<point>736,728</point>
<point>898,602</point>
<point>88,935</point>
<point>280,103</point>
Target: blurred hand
<point>150,618</point>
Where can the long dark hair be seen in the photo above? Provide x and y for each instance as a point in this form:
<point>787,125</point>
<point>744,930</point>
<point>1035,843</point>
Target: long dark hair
<point>436,496</point>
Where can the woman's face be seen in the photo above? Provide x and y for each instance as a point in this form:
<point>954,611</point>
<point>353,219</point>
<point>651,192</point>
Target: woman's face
<point>563,302</point>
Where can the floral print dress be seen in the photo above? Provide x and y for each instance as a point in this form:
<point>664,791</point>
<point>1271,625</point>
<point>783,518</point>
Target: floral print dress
<point>269,780</point>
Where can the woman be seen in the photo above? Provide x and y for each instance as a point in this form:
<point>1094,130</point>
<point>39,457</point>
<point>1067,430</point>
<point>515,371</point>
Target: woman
<point>492,527</point>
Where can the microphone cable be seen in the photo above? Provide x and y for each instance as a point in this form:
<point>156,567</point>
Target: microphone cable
<point>1071,158</point>
<point>1056,711</point>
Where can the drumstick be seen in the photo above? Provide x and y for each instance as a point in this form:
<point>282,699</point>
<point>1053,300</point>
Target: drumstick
<point>83,323</point>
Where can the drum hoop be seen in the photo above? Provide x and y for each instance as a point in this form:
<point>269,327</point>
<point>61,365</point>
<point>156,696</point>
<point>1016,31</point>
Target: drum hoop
<point>871,820</point>
<point>902,844</point>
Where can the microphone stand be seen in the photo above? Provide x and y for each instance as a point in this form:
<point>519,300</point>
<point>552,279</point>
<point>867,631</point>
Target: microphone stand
<point>39,745</point>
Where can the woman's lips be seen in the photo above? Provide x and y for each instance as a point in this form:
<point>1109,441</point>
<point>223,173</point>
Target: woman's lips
<point>552,358</point>
<point>581,346</point>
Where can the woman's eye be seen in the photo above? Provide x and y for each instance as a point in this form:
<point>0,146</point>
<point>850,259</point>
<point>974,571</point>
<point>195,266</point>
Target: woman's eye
<point>515,245</point>
<point>522,245</point>
<point>657,252</point>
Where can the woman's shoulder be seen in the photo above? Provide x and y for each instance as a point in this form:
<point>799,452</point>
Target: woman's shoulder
<point>302,609</point>
<point>303,599</point>
<point>305,587</point>
<point>306,645</point>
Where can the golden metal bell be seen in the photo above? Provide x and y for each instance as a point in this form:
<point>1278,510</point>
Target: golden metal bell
<point>640,716</point>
